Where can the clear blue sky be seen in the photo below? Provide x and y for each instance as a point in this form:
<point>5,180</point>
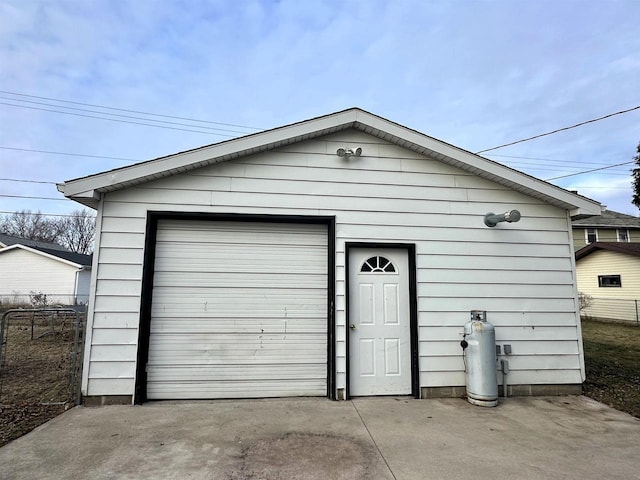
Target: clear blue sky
<point>475,74</point>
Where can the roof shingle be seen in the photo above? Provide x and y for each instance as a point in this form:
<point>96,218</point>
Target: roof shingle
<point>609,218</point>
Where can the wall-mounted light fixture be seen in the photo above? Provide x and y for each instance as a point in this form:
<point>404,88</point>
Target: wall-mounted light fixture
<point>348,152</point>
<point>492,219</point>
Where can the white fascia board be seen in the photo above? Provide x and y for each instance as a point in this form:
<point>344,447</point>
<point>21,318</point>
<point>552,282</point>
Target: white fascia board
<point>44,254</point>
<point>89,198</point>
<point>203,156</point>
<point>485,168</point>
<point>86,190</point>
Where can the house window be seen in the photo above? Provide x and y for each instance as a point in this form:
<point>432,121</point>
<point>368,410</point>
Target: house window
<point>609,281</point>
<point>623,235</point>
<point>378,264</point>
<point>592,235</point>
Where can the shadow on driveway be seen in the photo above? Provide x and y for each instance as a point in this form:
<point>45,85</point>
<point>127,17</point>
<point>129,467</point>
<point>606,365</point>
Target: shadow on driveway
<point>311,438</point>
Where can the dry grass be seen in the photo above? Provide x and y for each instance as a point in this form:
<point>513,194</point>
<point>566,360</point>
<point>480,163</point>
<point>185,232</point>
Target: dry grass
<point>34,380</point>
<point>612,358</point>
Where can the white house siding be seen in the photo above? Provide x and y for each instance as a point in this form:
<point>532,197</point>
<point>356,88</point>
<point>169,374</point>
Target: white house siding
<point>83,284</point>
<point>521,273</point>
<point>23,272</point>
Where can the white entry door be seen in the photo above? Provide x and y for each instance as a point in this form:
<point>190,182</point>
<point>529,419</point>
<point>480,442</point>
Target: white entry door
<point>379,325</point>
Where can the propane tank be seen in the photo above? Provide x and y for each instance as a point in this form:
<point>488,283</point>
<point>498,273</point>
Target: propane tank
<point>479,353</point>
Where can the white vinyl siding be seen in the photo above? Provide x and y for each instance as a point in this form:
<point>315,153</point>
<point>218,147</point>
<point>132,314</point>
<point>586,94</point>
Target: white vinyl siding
<point>520,273</point>
<point>239,310</point>
<point>39,274</point>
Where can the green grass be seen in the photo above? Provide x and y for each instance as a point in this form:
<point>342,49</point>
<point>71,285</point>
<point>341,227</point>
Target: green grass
<point>612,359</point>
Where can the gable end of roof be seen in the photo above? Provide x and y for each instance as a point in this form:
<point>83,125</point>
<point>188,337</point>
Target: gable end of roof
<point>87,190</point>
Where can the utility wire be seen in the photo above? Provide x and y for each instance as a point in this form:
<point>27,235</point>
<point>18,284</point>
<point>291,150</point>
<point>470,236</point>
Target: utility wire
<point>539,168</point>
<point>240,126</point>
<point>552,160</point>
<point>596,187</point>
<point>130,111</point>
<point>70,154</point>
<point>564,162</point>
<point>546,166</point>
<point>39,214</point>
<point>120,121</point>
<point>118,115</point>
<point>25,181</point>
<point>235,125</point>
<point>34,198</point>
<point>560,129</point>
<point>589,171</point>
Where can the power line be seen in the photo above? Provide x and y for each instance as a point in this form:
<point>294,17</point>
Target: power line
<point>71,154</point>
<point>117,120</point>
<point>571,167</point>
<point>564,162</point>
<point>560,129</point>
<point>553,160</point>
<point>42,214</point>
<point>25,181</point>
<point>117,115</point>
<point>34,198</point>
<point>130,111</point>
<point>589,171</point>
<point>521,164</point>
<point>596,187</point>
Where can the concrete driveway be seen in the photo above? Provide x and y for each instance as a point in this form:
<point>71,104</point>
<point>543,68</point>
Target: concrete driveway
<point>369,438</point>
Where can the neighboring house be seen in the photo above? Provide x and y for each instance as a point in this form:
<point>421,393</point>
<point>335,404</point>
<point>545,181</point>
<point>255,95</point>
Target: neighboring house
<point>609,227</point>
<point>63,276</point>
<point>7,240</point>
<point>609,272</point>
<point>339,256</point>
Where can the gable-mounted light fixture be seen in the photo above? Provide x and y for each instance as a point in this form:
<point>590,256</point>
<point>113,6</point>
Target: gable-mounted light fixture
<point>492,219</point>
<point>348,152</point>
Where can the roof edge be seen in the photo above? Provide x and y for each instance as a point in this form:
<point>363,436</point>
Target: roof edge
<point>44,254</point>
<point>618,247</point>
<point>87,190</point>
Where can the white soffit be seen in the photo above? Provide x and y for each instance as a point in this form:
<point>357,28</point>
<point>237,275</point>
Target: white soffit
<point>86,190</point>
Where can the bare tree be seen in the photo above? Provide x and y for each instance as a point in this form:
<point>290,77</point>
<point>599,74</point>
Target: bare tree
<point>77,231</point>
<point>31,225</point>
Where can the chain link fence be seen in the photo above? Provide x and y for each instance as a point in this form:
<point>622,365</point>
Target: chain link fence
<point>41,355</point>
<point>38,299</point>
<point>610,309</point>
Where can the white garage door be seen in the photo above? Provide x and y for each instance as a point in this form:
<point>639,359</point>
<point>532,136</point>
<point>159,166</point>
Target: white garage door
<point>239,310</point>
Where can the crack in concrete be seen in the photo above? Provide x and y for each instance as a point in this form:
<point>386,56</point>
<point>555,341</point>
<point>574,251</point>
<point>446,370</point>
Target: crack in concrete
<point>373,439</point>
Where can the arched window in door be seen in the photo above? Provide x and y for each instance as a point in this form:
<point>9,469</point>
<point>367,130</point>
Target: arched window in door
<point>378,264</point>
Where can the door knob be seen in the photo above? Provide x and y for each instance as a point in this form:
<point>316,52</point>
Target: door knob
<point>352,326</point>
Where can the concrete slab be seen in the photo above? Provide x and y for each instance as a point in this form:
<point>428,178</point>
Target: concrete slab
<point>523,438</point>
<point>368,438</point>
